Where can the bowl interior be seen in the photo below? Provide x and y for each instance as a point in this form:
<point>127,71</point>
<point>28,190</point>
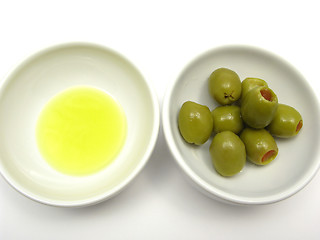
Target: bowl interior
<point>297,161</point>
<point>26,91</point>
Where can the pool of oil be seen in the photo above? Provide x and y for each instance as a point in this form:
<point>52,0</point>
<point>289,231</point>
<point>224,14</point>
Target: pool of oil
<point>81,130</point>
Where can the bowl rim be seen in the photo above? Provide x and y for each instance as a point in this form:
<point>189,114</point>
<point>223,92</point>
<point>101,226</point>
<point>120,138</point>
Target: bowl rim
<point>199,183</point>
<point>147,153</point>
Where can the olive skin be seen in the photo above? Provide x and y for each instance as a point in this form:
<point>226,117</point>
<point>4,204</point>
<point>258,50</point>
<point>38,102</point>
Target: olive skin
<point>286,123</point>
<point>227,118</point>
<point>195,122</point>
<point>261,148</point>
<point>250,83</point>
<point>228,153</point>
<point>224,86</point>
<point>259,107</point>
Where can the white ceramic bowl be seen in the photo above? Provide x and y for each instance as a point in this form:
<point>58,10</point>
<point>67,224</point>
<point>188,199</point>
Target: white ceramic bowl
<point>28,88</point>
<point>298,159</point>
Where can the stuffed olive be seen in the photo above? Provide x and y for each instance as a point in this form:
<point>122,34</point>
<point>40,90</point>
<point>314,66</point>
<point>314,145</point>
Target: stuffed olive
<point>250,83</point>
<point>261,148</point>
<point>259,107</point>
<point>286,123</point>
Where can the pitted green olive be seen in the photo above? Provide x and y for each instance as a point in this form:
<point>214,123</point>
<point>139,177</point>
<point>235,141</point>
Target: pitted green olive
<point>224,86</point>
<point>228,153</point>
<point>227,118</point>
<point>195,122</point>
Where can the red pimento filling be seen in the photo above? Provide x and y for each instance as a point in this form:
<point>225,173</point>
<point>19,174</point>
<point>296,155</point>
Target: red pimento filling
<point>299,126</point>
<point>266,93</point>
<point>268,155</point>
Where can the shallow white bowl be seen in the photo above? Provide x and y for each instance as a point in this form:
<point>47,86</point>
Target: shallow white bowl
<point>298,159</point>
<point>29,87</point>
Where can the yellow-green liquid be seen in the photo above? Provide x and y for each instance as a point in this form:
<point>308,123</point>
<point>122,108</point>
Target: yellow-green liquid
<point>81,130</point>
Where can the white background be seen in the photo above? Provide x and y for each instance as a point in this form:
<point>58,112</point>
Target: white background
<point>160,38</point>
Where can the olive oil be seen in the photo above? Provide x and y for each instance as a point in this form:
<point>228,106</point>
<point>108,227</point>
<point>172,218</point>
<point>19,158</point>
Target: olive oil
<point>81,130</point>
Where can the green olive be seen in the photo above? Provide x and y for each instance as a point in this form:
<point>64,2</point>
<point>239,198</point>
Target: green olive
<point>259,107</point>
<point>261,148</point>
<point>250,83</point>
<point>224,86</point>
<point>286,123</point>
<point>227,118</point>
<point>228,153</point>
<point>195,122</point>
